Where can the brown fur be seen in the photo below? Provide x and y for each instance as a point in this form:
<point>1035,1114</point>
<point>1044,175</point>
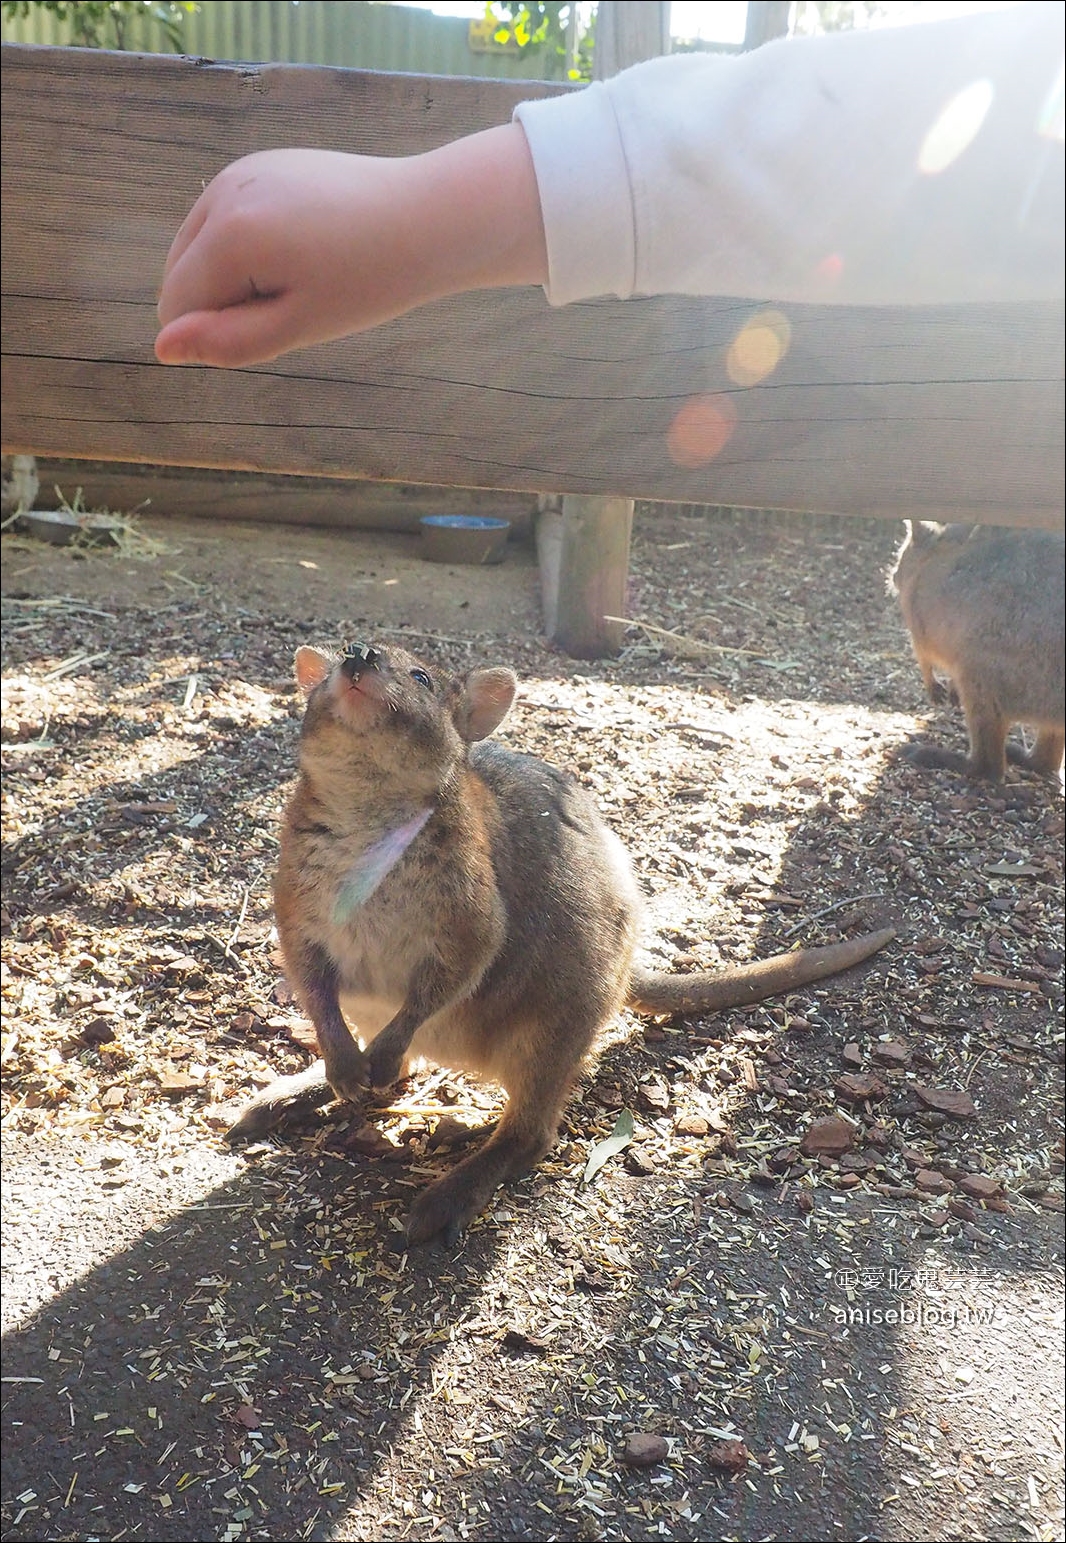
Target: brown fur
<point>985,606</point>
<point>499,942</point>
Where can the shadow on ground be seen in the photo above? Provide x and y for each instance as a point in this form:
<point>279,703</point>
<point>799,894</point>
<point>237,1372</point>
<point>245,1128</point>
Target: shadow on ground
<point>209,1344</point>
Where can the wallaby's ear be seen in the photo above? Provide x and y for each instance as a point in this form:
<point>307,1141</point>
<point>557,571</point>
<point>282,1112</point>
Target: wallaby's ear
<point>485,702</point>
<point>310,667</point>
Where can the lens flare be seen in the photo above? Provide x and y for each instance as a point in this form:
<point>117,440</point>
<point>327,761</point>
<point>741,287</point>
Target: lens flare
<point>702,427</point>
<point>830,268</point>
<point>1051,120</point>
<point>957,127</point>
<point>758,348</point>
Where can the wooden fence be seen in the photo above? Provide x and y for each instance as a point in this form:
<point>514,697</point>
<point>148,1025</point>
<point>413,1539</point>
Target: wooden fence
<point>953,412</point>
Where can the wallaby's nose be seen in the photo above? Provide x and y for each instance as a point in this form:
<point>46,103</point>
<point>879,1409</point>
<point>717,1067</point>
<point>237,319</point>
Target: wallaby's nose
<point>358,658</point>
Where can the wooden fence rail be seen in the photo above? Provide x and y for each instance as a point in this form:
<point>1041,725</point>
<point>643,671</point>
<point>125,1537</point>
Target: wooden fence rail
<point>953,412</point>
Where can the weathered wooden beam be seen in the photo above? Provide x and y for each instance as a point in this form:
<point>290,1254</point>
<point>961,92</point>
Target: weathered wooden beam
<point>264,498</point>
<point>951,411</point>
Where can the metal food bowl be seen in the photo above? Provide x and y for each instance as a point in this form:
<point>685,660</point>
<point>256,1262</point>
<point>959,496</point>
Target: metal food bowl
<point>60,527</point>
<point>464,538</point>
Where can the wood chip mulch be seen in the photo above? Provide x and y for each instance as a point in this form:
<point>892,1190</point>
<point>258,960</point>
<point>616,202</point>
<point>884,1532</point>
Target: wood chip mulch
<point>810,1288</point>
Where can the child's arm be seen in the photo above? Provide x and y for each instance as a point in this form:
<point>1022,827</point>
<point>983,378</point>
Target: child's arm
<point>291,247</point>
<point>914,165</point>
<point>909,166</point>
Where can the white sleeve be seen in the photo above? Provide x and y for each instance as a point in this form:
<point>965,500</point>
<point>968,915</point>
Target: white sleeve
<point>910,165</point>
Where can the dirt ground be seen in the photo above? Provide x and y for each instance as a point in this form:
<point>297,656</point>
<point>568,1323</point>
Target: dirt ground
<point>803,1330</point>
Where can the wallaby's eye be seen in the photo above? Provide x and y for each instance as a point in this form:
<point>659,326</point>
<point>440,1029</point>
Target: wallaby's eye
<point>422,678</point>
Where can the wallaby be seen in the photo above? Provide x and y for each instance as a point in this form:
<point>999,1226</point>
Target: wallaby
<point>464,902</point>
<point>985,606</point>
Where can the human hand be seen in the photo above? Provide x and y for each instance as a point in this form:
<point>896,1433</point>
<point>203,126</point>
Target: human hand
<point>286,248</point>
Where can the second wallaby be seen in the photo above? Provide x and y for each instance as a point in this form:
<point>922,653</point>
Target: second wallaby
<point>984,605</point>
<point>455,899</point>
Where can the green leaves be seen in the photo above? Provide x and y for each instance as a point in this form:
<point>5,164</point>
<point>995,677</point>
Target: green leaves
<point>104,23</point>
<point>554,28</point>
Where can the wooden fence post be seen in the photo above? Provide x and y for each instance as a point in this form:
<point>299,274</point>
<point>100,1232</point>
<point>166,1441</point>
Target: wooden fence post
<point>584,565</point>
<point>766,20</point>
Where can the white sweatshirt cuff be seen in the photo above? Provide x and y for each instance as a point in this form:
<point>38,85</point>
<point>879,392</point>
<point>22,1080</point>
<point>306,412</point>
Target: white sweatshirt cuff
<point>585,196</point>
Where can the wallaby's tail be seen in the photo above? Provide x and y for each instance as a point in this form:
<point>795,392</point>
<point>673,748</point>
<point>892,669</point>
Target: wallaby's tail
<point>707,993</point>
<point>287,1099</point>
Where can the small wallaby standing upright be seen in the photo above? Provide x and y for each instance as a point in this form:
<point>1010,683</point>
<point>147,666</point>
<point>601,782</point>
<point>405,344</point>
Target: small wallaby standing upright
<point>463,902</point>
<point>985,605</point>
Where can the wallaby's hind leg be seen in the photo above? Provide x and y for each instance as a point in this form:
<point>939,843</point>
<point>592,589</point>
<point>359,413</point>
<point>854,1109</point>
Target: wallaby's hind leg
<point>525,1133</point>
<point>987,729</point>
<point>450,1204</point>
<point>1045,756</point>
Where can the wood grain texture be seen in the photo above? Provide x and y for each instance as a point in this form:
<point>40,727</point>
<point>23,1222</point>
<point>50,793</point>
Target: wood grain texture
<point>947,411</point>
<point>592,575</point>
<point>341,504</point>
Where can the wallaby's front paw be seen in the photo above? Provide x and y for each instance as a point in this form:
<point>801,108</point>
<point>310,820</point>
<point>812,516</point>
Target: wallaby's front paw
<point>384,1066</point>
<point>943,693</point>
<point>349,1075</point>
